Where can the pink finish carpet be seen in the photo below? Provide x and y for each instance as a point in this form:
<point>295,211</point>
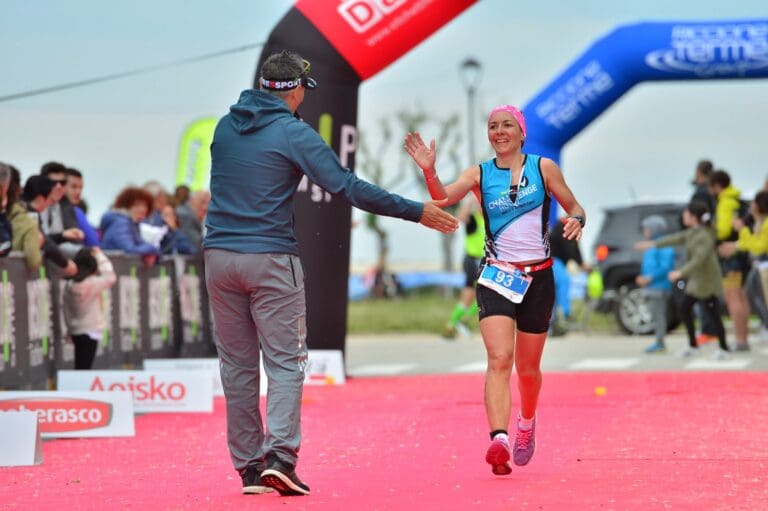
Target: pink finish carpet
<point>641,441</point>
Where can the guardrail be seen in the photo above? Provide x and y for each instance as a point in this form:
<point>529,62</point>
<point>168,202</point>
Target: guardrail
<point>156,312</point>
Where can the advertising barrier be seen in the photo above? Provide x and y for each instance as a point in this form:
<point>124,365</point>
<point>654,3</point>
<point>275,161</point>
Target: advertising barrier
<point>161,312</point>
<point>74,414</point>
<point>20,443</point>
<point>153,391</point>
<point>27,325</point>
<point>207,367</point>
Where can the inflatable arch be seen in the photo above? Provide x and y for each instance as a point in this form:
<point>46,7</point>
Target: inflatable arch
<point>349,41</point>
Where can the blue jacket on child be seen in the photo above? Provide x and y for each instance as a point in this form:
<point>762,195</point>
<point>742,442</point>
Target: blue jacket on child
<point>657,262</point>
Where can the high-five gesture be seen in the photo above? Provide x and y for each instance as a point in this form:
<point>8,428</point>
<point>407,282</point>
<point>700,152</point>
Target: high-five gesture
<point>423,156</point>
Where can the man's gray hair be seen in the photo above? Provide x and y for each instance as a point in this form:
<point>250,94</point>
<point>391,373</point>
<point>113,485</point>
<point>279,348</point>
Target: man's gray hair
<point>286,65</point>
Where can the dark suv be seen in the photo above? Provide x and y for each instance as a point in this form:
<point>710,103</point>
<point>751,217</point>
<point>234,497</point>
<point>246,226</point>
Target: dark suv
<point>619,263</point>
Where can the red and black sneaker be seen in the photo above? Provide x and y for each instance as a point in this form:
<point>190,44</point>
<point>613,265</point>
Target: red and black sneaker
<point>286,482</point>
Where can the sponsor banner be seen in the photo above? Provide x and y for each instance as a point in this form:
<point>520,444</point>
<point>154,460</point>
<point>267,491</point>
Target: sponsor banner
<point>325,367</point>
<point>74,414</point>
<point>713,50</point>
<point>371,34</point>
<point>153,391</point>
<point>20,443</point>
<point>203,365</point>
<point>9,366</point>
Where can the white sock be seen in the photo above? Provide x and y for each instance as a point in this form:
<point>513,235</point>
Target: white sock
<point>524,424</point>
<point>501,436</point>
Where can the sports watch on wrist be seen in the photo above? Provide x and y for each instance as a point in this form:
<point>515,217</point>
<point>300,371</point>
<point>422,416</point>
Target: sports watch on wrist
<point>579,219</point>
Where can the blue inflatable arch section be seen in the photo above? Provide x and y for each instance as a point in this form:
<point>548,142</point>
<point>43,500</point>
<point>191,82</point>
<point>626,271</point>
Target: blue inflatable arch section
<point>635,53</point>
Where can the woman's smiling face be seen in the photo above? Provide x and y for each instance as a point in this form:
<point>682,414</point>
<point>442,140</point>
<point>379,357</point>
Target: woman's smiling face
<point>504,133</point>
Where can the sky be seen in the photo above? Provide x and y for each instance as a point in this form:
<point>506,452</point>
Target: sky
<point>643,147</point>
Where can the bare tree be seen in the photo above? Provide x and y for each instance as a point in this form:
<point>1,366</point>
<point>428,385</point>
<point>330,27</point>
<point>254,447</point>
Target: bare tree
<point>372,156</point>
<point>449,162</point>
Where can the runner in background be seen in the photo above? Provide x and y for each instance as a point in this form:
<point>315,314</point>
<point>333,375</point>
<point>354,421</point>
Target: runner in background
<point>471,216</point>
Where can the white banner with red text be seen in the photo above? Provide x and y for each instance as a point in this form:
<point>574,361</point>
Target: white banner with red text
<point>74,414</point>
<point>153,391</point>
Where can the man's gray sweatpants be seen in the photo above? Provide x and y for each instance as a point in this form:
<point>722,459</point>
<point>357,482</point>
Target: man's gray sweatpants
<point>258,303</point>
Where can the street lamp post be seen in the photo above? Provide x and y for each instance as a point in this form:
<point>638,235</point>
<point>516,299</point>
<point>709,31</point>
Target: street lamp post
<point>471,71</point>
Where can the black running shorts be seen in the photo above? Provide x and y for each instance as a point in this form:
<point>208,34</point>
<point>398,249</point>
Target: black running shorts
<point>533,313</point>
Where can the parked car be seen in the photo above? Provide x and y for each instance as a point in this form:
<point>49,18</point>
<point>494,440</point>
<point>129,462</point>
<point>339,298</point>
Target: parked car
<point>619,263</point>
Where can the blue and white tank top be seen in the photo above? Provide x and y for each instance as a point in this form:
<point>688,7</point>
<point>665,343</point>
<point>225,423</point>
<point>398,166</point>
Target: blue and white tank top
<point>516,214</point>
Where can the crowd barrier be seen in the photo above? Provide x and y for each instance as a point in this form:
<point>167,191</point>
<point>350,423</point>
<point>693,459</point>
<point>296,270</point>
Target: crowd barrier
<point>157,312</point>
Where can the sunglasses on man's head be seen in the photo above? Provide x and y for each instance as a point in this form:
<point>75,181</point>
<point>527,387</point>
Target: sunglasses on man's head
<point>306,81</point>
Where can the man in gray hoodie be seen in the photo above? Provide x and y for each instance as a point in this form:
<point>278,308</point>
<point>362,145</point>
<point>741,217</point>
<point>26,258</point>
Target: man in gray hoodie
<point>255,280</point>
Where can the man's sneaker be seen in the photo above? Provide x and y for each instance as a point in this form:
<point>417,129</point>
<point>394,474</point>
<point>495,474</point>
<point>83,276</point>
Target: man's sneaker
<point>286,482</point>
<point>657,347</point>
<point>525,445</point>
<point>252,484</point>
<point>497,456</point>
<point>720,354</point>
<point>740,346</point>
<point>688,351</point>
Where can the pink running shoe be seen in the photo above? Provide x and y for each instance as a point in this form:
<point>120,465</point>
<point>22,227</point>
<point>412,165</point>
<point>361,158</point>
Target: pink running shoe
<point>498,456</point>
<point>525,445</point>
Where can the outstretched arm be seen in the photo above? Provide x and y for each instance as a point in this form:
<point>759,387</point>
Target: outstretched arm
<point>425,158</point>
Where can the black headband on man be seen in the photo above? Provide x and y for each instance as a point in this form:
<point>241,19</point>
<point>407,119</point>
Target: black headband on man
<point>282,84</point>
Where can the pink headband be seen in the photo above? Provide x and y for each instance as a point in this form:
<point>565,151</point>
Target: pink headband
<point>517,114</point>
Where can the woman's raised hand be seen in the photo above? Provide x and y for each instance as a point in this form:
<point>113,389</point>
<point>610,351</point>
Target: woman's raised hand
<point>423,156</point>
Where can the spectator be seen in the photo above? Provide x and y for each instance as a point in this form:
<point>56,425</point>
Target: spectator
<point>735,266</point>
<point>700,273</point>
<point>83,313</point>
<point>73,192</point>
<point>754,241</point>
<point>563,251</point>
<point>174,241</point>
<point>471,216</point>
<point>181,195</point>
<point>120,226</point>
<point>160,199</point>
<point>656,265</point>
<point>58,221</point>
<point>38,195</point>
<point>6,231</point>
<point>191,217</point>
<point>702,192</point>
<point>704,170</point>
<point>26,232</point>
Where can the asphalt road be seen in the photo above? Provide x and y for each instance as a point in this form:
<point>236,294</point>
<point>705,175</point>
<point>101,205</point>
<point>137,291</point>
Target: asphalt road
<point>398,354</point>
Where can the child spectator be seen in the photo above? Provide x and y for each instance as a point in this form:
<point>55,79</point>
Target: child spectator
<point>701,273</point>
<point>83,314</point>
<point>656,265</point>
